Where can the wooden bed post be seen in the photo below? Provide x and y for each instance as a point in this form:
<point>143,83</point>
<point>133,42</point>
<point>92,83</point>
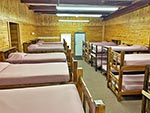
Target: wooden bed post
<point>25,47</point>
<point>2,56</point>
<point>120,75</point>
<point>79,84</point>
<point>108,66</point>
<point>100,106</point>
<point>74,70</point>
<point>145,88</point>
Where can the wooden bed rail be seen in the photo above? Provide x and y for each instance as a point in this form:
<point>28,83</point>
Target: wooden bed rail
<point>4,53</point>
<point>146,92</point>
<point>94,106</point>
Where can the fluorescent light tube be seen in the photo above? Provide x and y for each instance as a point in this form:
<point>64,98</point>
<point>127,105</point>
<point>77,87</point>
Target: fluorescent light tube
<point>80,15</point>
<point>86,8</point>
<point>73,20</point>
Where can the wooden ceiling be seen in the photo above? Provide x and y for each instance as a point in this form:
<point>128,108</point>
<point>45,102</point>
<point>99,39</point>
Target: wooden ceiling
<point>49,6</point>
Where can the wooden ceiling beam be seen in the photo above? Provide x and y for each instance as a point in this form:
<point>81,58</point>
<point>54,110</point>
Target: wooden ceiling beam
<point>80,2</point>
<point>130,8</point>
<point>42,8</point>
<point>40,1</point>
<point>45,12</point>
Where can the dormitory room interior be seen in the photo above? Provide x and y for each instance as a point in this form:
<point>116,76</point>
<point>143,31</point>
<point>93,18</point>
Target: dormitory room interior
<point>74,56</point>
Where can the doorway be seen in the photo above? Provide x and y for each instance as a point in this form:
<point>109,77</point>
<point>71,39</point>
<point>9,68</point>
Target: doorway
<point>14,35</point>
<point>67,37</point>
<point>79,37</point>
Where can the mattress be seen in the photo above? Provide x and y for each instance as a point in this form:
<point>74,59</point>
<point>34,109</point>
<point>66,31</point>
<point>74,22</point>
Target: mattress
<point>15,74</point>
<point>137,59</point>
<point>37,48</point>
<point>36,58</point>
<point>47,99</point>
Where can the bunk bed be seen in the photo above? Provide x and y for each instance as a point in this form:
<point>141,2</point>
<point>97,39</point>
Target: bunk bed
<point>67,98</point>
<point>146,92</point>
<point>12,56</point>
<point>97,52</point>
<point>125,74</point>
<point>86,51</point>
<point>128,49</point>
<point>46,47</point>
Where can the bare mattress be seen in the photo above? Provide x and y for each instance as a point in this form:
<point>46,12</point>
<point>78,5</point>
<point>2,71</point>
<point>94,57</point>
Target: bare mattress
<point>13,74</point>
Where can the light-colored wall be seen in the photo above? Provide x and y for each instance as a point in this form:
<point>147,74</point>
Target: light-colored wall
<point>132,28</point>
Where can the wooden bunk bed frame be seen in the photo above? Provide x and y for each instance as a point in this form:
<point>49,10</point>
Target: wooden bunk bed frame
<point>146,92</point>
<point>116,62</point>
<point>86,49</point>
<point>95,54</point>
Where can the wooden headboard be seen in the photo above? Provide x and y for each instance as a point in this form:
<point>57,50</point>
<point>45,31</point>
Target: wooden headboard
<point>118,42</point>
<point>4,53</point>
<point>25,46</point>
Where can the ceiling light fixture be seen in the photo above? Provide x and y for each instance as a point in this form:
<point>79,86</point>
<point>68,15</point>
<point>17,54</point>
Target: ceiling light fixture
<point>86,8</point>
<point>79,15</point>
<point>74,21</point>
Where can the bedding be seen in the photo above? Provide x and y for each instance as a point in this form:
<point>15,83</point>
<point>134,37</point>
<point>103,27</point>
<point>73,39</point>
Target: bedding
<point>137,59</point>
<point>133,48</point>
<point>15,74</point>
<point>38,48</point>
<point>18,57</point>
<point>47,99</point>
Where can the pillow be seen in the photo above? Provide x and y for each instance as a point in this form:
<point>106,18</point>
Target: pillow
<point>3,65</point>
<point>33,45</point>
<point>111,44</point>
<point>16,56</point>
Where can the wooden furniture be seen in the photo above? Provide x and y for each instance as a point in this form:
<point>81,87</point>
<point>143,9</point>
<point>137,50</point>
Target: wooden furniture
<point>27,57</point>
<point>66,98</point>
<point>146,92</point>
<point>37,74</point>
<point>28,47</point>
<point>120,83</point>
<point>97,53</point>
<point>128,49</point>
<point>4,53</point>
<point>86,50</point>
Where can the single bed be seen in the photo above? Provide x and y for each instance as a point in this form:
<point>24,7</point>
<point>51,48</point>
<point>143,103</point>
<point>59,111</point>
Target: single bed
<point>28,47</point>
<point>34,74</point>
<point>10,55</point>
<point>50,99</point>
<point>118,65</point>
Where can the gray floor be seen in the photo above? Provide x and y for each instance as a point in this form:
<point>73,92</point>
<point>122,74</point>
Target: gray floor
<point>96,83</point>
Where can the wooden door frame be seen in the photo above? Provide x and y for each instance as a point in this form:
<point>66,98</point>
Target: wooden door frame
<point>18,35</point>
